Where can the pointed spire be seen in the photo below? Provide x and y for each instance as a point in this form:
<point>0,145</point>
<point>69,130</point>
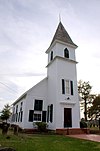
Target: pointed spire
<point>59,18</point>
<point>62,35</point>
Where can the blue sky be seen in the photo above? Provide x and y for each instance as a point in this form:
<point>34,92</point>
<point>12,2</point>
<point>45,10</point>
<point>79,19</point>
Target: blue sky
<point>26,30</point>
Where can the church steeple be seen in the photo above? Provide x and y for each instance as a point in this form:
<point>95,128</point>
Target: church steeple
<point>62,35</point>
<point>61,45</point>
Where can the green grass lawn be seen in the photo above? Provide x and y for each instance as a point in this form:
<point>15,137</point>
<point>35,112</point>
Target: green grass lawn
<point>24,142</point>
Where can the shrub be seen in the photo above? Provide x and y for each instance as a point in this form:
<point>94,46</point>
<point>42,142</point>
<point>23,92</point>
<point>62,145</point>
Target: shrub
<point>5,127</point>
<point>83,124</point>
<point>42,126</point>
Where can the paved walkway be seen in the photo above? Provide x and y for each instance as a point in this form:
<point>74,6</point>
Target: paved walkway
<point>91,137</point>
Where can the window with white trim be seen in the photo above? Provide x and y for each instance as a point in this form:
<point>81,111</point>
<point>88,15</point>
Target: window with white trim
<point>66,53</point>
<point>67,87</point>
<point>51,56</point>
<point>16,113</point>
<point>38,104</point>
<point>50,113</point>
<point>37,117</point>
<point>38,114</point>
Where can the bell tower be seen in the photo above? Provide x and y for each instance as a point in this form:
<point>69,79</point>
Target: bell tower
<point>62,39</point>
<point>62,80</point>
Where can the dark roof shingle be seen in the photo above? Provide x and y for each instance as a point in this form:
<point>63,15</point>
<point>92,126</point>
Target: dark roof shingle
<point>62,35</point>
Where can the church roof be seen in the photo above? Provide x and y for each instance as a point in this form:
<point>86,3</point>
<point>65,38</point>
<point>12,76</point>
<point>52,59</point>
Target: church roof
<point>62,35</point>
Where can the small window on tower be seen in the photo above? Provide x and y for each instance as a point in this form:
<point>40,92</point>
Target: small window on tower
<point>66,53</point>
<point>67,87</point>
<point>51,56</point>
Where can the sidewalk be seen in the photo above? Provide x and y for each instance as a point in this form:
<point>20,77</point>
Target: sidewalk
<point>91,137</point>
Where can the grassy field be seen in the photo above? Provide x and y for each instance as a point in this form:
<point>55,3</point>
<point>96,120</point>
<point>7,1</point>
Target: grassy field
<point>24,142</point>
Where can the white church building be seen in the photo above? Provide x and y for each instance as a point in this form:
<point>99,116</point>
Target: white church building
<point>55,99</point>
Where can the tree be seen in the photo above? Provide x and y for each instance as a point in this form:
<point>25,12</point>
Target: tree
<point>94,111</point>
<point>5,113</point>
<point>84,89</point>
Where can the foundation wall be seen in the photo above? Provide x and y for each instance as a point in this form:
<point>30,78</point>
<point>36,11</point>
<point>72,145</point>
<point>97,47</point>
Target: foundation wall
<point>72,131</point>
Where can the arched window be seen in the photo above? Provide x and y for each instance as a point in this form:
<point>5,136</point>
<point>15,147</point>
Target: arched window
<point>66,53</point>
<point>51,56</point>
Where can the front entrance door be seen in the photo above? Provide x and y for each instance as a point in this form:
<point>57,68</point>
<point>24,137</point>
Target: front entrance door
<point>67,117</point>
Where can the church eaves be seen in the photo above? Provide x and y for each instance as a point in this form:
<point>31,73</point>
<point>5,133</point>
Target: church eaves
<point>62,35</point>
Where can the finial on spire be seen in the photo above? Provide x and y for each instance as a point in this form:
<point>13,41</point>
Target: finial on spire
<point>59,18</point>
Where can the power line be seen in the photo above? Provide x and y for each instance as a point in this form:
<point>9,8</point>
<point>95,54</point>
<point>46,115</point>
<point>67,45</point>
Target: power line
<point>9,87</point>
